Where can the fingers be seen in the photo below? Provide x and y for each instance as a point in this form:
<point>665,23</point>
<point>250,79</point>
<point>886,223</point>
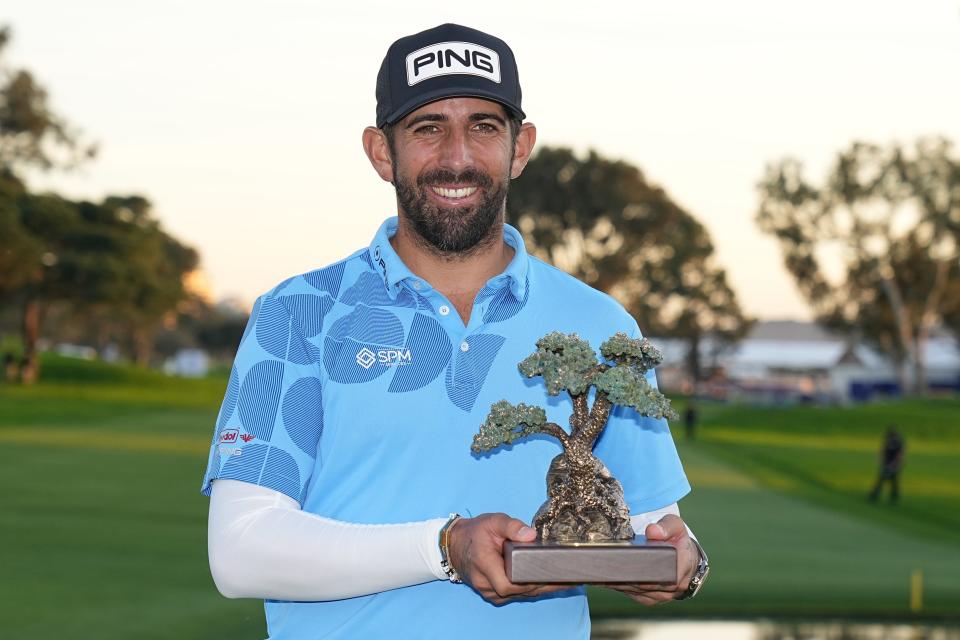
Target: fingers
<point>477,550</point>
<point>648,594</point>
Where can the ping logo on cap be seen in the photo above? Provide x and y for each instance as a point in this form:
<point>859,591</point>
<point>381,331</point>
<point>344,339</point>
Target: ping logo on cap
<point>450,58</point>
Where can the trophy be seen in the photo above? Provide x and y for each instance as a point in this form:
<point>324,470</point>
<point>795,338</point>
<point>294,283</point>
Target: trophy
<point>583,529</point>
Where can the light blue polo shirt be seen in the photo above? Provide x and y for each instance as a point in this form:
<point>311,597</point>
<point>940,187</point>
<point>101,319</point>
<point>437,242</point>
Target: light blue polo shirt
<point>357,390</point>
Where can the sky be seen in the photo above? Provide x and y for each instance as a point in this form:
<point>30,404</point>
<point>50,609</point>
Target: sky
<point>241,120</point>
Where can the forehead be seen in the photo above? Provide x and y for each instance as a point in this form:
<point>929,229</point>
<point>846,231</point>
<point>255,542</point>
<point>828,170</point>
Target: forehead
<point>453,108</point>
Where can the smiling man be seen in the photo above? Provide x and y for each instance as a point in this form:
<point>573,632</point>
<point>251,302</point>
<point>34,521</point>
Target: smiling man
<point>357,389</point>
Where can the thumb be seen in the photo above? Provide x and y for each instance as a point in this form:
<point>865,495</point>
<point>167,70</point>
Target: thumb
<point>520,532</point>
<point>655,532</point>
<point>668,527</point>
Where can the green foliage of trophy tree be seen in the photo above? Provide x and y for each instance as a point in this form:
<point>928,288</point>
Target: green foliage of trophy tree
<point>585,503</point>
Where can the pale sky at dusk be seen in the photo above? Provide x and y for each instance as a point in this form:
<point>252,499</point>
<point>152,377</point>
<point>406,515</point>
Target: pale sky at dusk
<point>241,121</point>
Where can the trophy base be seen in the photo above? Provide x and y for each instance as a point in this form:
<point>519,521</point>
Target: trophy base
<point>633,562</point>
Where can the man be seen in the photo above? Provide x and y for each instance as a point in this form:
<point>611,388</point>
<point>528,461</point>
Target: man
<point>891,461</point>
<point>344,438</point>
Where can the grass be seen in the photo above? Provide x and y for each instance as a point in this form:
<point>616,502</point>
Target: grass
<point>102,531</point>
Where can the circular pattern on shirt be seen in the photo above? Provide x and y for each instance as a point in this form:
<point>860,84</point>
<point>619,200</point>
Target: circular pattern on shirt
<point>302,414</point>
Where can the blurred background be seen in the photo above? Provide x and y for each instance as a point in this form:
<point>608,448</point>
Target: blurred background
<point>771,189</point>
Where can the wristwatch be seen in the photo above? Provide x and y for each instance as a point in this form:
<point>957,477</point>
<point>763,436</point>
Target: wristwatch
<point>699,576</point>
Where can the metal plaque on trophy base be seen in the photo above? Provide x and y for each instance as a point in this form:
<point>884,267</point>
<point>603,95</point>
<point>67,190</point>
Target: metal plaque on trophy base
<point>637,562</point>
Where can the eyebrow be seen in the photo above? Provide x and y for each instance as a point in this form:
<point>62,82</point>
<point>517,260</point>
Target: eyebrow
<point>426,117</point>
<point>439,117</point>
<point>477,117</point>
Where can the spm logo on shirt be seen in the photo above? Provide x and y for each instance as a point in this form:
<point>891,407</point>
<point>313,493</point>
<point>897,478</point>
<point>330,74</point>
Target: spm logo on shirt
<point>386,357</point>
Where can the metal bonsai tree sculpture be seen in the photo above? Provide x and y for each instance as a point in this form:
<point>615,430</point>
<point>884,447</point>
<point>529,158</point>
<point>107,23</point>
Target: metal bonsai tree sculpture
<point>584,502</point>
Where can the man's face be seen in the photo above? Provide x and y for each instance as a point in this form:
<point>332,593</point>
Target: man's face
<point>451,169</point>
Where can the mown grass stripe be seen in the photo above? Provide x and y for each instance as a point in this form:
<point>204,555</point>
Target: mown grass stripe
<point>96,439</point>
<point>827,442</point>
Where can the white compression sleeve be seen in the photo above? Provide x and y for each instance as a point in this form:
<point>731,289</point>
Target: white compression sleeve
<point>262,545</point>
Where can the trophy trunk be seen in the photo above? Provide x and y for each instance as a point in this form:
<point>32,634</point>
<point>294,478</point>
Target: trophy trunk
<point>584,501</point>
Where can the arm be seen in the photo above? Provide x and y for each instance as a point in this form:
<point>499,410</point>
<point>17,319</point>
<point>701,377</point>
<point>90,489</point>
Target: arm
<point>261,545</point>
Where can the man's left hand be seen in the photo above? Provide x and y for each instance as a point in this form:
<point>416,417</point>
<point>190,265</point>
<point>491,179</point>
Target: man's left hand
<point>670,529</point>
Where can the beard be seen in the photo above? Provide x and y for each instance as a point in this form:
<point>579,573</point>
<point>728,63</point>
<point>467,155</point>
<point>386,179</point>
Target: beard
<point>458,230</point>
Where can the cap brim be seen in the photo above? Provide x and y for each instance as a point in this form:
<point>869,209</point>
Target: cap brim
<point>447,92</point>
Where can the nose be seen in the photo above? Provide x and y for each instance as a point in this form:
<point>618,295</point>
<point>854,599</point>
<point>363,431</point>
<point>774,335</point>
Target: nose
<point>456,153</point>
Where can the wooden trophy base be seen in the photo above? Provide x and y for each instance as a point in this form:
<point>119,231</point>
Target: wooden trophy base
<point>633,562</point>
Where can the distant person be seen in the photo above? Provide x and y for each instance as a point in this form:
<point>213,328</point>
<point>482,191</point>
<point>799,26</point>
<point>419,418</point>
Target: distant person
<point>891,461</point>
<point>690,417</point>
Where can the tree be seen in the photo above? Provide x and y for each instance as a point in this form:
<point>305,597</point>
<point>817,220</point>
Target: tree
<point>31,134</point>
<point>601,221</point>
<point>889,217</point>
<point>585,502</point>
<point>110,261</point>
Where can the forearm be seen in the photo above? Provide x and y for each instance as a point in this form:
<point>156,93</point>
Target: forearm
<point>262,545</point>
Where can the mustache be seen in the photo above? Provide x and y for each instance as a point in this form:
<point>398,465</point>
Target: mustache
<point>469,176</point>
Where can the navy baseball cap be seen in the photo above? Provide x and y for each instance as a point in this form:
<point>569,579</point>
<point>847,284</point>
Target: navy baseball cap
<point>449,61</point>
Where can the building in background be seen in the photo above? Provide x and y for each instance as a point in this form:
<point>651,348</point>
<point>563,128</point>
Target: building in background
<point>786,361</point>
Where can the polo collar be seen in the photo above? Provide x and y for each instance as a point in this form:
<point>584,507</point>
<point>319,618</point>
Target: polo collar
<point>394,272</point>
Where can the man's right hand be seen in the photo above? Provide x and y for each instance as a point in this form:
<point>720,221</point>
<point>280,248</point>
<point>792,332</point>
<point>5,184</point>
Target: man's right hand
<point>476,552</point>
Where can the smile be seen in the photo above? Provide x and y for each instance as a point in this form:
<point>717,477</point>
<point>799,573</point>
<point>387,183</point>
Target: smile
<point>462,192</point>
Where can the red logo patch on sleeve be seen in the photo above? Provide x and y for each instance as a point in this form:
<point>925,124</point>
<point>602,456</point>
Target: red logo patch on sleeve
<point>247,437</point>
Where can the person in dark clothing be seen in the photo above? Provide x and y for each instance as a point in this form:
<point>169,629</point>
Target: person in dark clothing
<point>891,461</point>
<point>690,420</point>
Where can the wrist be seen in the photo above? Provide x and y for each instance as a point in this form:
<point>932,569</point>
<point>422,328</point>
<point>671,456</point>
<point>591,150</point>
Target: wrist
<point>444,542</point>
<point>700,572</point>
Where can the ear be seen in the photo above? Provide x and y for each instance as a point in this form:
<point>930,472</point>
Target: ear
<point>377,148</point>
<point>526,138</point>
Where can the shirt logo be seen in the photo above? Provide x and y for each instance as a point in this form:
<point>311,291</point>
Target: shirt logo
<point>366,358</point>
<point>387,357</point>
<point>229,435</point>
<point>451,58</point>
<point>247,437</point>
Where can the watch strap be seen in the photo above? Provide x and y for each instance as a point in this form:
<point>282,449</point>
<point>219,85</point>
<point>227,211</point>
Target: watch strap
<point>699,576</point>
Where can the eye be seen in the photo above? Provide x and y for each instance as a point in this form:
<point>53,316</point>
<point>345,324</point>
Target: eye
<point>427,129</point>
<point>485,127</point>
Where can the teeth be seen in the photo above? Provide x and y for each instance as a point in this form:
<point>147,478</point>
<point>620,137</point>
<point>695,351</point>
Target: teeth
<point>463,192</point>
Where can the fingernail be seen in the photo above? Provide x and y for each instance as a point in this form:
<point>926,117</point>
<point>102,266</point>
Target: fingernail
<point>525,531</point>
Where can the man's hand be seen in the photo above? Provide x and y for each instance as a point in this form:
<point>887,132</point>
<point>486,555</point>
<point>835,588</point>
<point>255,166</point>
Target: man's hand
<point>671,529</point>
<point>476,552</point>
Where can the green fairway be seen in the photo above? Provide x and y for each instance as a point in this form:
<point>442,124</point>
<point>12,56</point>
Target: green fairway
<point>103,534</point>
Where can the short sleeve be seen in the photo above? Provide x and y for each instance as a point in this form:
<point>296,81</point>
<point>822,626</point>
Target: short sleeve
<point>271,418</point>
<point>641,454</point>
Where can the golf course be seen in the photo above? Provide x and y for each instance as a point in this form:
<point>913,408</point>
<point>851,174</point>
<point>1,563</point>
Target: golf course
<point>103,528</point>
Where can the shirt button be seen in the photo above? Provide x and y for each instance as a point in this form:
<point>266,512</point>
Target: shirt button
<point>464,346</point>
<point>417,285</point>
<point>445,310</point>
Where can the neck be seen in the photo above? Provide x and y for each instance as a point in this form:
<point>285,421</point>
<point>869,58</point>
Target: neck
<point>455,275</point>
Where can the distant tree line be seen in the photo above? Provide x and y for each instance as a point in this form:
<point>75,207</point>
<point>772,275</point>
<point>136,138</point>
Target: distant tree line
<point>106,271</point>
<point>875,247</point>
<point>604,222</point>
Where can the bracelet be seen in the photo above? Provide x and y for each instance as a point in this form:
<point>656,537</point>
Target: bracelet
<point>445,564</point>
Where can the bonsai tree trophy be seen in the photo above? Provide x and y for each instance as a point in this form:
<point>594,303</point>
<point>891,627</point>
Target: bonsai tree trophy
<point>584,531</point>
